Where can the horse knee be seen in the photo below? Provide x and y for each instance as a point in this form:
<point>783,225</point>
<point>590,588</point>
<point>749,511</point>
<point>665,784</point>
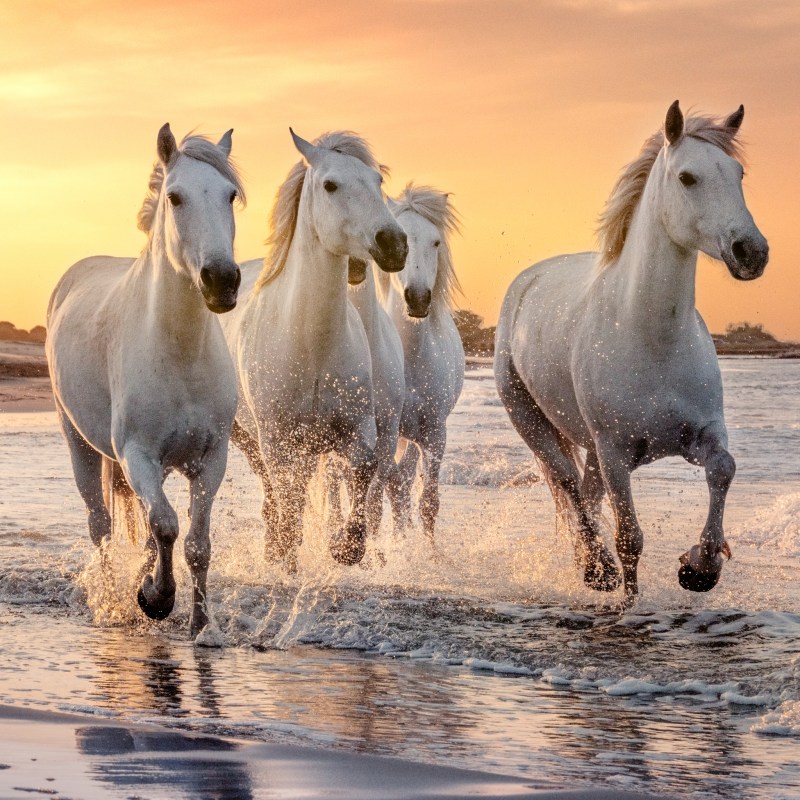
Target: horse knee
<point>163,523</point>
<point>721,469</point>
<point>197,550</point>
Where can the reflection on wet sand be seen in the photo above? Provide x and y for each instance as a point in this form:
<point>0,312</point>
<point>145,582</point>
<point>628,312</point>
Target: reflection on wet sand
<point>164,762</point>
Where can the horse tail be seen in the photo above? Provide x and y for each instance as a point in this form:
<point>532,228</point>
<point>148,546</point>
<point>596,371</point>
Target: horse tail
<point>127,514</point>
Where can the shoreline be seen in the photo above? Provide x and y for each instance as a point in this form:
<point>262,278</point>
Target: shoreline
<point>25,383</point>
<point>68,755</point>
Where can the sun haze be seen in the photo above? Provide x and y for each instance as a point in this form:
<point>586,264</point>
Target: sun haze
<point>524,111</point>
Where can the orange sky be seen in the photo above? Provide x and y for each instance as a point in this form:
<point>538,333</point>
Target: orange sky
<point>525,111</point>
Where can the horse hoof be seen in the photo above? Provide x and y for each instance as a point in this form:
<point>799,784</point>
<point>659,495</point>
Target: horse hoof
<point>695,581</point>
<point>602,576</point>
<point>156,606</point>
<point>349,546</point>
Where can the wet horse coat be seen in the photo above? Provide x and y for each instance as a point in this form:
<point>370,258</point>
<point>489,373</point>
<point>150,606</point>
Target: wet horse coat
<point>607,351</point>
<point>142,379</point>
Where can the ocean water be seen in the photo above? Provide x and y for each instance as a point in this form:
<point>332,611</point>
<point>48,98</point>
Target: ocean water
<point>485,651</point>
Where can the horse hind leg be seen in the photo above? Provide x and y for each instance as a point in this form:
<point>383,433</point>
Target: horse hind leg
<point>701,566</point>
<point>87,467</point>
<point>562,475</point>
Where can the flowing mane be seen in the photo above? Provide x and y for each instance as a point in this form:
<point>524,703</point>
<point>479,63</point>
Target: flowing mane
<point>433,206</point>
<point>283,218</point>
<point>200,149</point>
<point>616,218</point>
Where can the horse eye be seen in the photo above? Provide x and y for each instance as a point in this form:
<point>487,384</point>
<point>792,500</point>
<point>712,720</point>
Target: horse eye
<point>437,243</point>
<point>687,179</point>
<point>234,195</point>
<point>174,198</point>
<point>330,186</point>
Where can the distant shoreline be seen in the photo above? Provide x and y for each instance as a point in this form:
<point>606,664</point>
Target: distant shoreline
<point>25,381</point>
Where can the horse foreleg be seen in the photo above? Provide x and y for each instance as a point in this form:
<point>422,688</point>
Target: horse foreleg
<point>399,483</point>
<point>628,535</point>
<point>432,454</point>
<point>702,564</point>
<point>388,434</point>
<point>197,547</point>
<point>349,543</point>
<point>252,452</point>
<point>592,489</point>
<point>291,478</point>
<point>145,476</point>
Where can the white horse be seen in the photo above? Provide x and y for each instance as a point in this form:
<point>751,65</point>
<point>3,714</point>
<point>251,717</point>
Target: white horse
<point>419,302</point>
<point>299,346</point>
<point>607,351</point>
<point>142,379</point>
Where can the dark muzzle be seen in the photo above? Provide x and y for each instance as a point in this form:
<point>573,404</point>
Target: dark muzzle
<point>747,258</point>
<point>219,283</point>
<point>390,249</point>
<point>418,302</point>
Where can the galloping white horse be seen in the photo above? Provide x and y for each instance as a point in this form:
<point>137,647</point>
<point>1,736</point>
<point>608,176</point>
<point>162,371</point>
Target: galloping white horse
<point>299,346</point>
<point>418,301</point>
<point>141,375</point>
<point>607,351</point>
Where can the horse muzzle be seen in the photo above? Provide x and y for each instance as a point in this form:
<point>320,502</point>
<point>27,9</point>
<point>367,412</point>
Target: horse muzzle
<point>219,284</point>
<point>356,271</point>
<point>390,249</point>
<point>418,302</point>
<point>747,257</point>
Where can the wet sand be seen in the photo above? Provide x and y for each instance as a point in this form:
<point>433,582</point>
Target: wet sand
<point>65,755</point>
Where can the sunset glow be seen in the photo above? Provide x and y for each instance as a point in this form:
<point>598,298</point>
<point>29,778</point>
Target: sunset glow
<point>525,111</point>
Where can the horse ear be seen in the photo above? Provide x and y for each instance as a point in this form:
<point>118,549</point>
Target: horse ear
<point>226,143</point>
<point>734,121</point>
<point>166,145</point>
<point>307,150</point>
<point>673,126</point>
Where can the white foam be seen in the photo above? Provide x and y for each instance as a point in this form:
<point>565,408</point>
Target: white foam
<point>776,528</point>
<point>783,721</point>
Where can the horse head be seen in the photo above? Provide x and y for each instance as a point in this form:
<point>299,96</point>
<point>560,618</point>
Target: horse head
<point>199,187</point>
<point>349,213</point>
<point>703,203</point>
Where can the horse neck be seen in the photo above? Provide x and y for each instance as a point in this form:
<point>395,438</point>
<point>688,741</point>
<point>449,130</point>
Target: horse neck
<point>174,311</point>
<point>365,299</point>
<point>316,283</point>
<point>414,333</point>
<point>654,279</point>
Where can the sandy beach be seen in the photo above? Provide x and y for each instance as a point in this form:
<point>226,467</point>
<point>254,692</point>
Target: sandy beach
<point>66,755</point>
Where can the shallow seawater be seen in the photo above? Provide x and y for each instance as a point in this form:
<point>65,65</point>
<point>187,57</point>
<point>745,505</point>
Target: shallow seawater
<point>487,652</point>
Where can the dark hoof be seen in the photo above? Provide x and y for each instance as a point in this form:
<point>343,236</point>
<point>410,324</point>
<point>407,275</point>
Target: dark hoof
<point>695,581</point>
<point>602,575</point>
<point>348,546</point>
<point>155,605</point>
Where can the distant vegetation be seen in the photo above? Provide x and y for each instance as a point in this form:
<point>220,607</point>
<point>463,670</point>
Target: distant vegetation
<point>747,332</point>
<point>478,341</point>
<point>11,333</point>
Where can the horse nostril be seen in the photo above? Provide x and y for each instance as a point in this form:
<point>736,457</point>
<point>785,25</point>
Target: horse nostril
<point>407,296</point>
<point>238,280</point>
<point>427,296</point>
<point>206,277</point>
<point>383,238</point>
<point>739,250</point>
